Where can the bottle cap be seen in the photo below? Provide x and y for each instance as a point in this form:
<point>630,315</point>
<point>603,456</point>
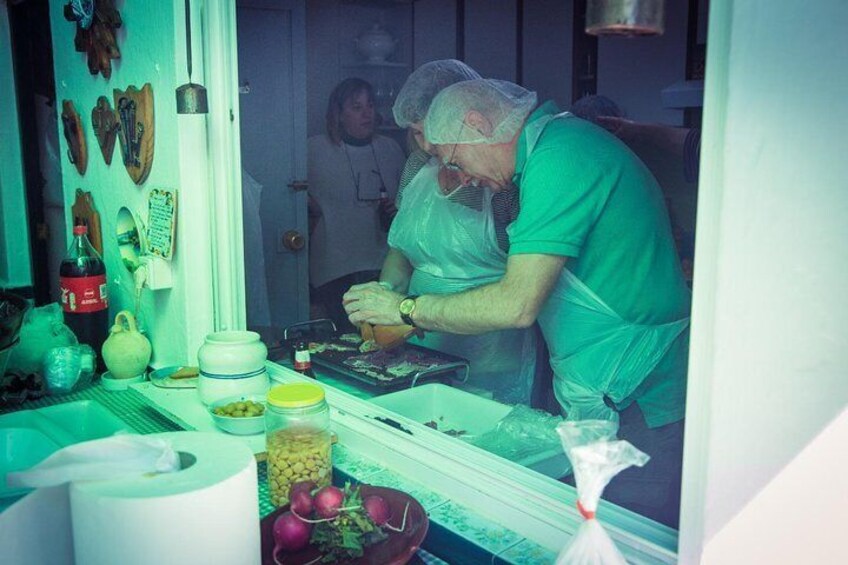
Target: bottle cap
<point>80,230</point>
<point>295,395</point>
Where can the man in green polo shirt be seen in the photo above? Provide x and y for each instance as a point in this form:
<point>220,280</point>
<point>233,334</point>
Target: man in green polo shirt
<point>591,258</point>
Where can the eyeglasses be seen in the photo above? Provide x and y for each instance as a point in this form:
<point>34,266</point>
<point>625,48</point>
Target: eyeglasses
<point>450,164</point>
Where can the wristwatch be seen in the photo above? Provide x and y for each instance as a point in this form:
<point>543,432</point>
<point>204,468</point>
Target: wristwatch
<point>406,308</point>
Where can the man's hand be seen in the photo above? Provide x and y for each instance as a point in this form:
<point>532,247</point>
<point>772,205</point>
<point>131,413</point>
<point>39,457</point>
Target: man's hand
<point>373,303</point>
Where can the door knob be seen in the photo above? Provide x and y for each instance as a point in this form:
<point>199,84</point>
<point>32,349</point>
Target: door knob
<point>298,185</point>
<point>293,240</point>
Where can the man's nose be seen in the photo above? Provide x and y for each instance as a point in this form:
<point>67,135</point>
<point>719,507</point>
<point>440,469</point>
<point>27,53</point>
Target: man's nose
<point>465,177</point>
<point>427,146</point>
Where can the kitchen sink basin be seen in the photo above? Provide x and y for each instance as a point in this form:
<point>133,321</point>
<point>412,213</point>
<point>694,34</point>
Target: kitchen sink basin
<point>28,437</point>
<point>22,448</point>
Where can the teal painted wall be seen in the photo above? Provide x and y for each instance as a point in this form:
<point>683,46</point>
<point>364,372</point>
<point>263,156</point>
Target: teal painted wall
<point>152,47</point>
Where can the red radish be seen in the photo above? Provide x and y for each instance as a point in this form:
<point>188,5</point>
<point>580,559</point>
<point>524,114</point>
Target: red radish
<point>308,486</point>
<point>290,533</point>
<point>377,508</point>
<point>301,502</point>
<point>327,501</point>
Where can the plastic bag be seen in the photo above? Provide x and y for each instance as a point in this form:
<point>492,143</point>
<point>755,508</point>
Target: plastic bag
<point>596,457</point>
<point>108,458</point>
<point>69,368</point>
<point>522,433</point>
<point>44,328</point>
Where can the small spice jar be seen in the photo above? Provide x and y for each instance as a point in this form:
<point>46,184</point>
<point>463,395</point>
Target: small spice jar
<point>297,436</point>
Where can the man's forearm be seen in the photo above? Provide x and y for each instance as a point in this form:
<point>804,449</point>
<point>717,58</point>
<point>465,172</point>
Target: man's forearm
<point>483,309</point>
<point>512,302</point>
<point>396,271</point>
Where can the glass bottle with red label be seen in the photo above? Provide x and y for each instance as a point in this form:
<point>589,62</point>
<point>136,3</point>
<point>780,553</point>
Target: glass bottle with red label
<point>82,280</point>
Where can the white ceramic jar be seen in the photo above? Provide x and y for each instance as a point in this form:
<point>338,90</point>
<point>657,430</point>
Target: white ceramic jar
<point>232,363</point>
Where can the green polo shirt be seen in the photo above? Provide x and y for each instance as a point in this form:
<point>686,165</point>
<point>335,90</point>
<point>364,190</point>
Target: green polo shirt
<point>586,196</point>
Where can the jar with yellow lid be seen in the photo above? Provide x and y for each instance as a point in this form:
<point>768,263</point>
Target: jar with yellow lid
<point>297,435</point>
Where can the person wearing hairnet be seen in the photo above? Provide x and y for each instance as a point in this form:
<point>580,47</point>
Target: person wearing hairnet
<point>591,258</point>
<point>448,237</point>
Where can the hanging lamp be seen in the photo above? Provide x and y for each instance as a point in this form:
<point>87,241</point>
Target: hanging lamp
<point>630,18</point>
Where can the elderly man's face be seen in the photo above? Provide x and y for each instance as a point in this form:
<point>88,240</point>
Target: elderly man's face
<point>487,164</point>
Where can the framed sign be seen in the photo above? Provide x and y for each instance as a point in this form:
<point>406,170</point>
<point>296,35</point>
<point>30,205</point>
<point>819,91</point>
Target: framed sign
<point>162,222</point>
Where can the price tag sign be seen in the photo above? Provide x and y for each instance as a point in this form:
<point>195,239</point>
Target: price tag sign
<point>162,222</point>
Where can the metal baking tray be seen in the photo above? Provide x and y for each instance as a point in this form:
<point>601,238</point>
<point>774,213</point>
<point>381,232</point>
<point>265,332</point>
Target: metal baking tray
<point>401,367</point>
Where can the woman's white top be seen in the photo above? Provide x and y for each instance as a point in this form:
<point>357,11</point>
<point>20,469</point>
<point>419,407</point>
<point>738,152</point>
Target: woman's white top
<point>345,181</point>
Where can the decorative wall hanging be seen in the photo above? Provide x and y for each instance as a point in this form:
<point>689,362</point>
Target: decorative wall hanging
<point>72,126</point>
<point>162,222</point>
<point>105,127</point>
<point>96,21</point>
<point>134,109</point>
<point>85,214</point>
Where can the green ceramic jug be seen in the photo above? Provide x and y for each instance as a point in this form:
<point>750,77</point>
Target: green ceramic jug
<point>126,352</point>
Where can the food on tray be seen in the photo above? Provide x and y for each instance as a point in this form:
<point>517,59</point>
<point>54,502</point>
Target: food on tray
<point>241,409</point>
<point>388,364</point>
<point>294,457</point>
<point>453,433</point>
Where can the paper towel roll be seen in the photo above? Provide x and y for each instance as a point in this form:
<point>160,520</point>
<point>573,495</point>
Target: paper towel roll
<point>206,513</point>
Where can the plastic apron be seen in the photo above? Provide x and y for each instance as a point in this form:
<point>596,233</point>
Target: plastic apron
<point>453,248</point>
<point>595,353</point>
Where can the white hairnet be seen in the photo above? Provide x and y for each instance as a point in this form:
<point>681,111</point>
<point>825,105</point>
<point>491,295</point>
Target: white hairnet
<point>424,84</point>
<point>505,105</point>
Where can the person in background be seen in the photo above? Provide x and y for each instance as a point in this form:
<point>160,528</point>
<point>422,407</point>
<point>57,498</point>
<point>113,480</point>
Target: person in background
<point>448,237</point>
<point>591,257</point>
<point>353,175</point>
<point>671,153</point>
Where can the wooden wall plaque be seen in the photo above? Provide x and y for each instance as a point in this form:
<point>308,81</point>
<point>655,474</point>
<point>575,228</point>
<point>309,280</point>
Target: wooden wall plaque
<point>134,110</point>
<point>72,127</point>
<point>85,214</point>
<point>105,128</point>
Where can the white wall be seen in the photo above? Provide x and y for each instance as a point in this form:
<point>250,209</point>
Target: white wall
<point>547,53</point>
<point>14,232</point>
<point>810,528</point>
<point>490,37</point>
<point>152,44</point>
<point>768,358</point>
<point>633,71</point>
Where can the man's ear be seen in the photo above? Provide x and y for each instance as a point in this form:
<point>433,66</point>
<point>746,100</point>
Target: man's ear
<point>478,122</point>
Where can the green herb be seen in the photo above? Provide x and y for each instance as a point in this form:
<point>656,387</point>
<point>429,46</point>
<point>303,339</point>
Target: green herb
<point>346,536</point>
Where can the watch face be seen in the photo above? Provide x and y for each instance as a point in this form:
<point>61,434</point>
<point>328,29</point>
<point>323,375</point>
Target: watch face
<point>407,305</point>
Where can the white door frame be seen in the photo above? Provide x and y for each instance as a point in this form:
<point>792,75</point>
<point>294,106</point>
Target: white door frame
<point>220,61</point>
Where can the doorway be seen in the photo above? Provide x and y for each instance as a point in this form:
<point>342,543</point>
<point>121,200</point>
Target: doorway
<point>272,94</point>
<point>32,56</point>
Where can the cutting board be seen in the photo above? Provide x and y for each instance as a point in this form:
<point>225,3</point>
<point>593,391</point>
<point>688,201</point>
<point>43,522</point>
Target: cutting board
<point>134,110</point>
<point>85,214</point>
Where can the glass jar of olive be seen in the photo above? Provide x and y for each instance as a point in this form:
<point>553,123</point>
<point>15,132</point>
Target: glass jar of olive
<point>297,436</point>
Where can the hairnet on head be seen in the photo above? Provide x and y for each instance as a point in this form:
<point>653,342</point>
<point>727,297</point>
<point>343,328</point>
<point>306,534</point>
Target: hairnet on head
<point>593,106</point>
<point>424,84</point>
<point>504,104</point>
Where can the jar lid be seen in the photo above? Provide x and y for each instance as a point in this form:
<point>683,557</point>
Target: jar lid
<point>295,395</point>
